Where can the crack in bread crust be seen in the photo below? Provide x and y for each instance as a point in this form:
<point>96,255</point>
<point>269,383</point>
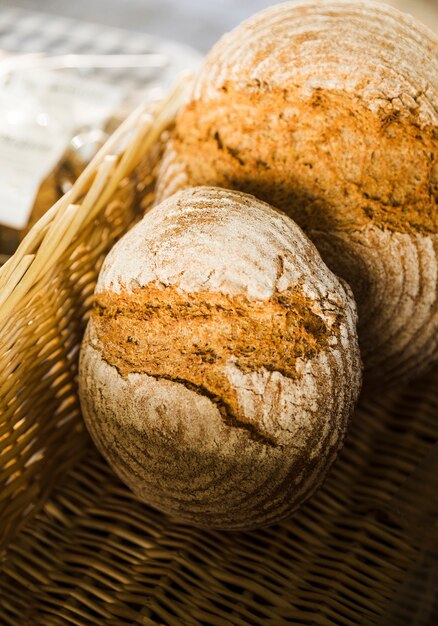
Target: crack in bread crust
<point>255,432</point>
<point>191,337</point>
<point>295,153</point>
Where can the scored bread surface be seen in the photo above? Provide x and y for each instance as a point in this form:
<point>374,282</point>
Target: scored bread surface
<point>329,111</point>
<point>220,365</point>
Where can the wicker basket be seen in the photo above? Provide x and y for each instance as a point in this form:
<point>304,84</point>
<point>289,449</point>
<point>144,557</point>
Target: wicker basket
<point>77,546</point>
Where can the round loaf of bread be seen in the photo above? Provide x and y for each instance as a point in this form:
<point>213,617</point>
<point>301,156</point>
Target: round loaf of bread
<point>220,364</point>
<point>329,111</point>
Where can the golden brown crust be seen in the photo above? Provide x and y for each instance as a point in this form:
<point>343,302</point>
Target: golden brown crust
<point>326,159</point>
<point>190,337</point>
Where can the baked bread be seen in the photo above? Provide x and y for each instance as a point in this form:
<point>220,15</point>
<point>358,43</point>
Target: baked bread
<point>329,111</point>
<point>220,364</point>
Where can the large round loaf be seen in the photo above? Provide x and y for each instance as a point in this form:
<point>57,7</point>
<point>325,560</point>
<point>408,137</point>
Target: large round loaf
<point>329,111</point>
<point>220,364</point>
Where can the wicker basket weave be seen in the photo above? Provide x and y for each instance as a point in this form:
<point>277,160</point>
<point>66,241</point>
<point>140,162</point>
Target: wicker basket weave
<point>77,546</point>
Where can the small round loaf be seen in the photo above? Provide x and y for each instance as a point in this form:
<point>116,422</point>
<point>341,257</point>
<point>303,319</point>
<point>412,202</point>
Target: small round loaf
<point>220,364</point>
<point>329,111</point>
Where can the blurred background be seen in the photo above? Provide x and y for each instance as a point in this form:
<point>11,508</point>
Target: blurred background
<point>196,22</point>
